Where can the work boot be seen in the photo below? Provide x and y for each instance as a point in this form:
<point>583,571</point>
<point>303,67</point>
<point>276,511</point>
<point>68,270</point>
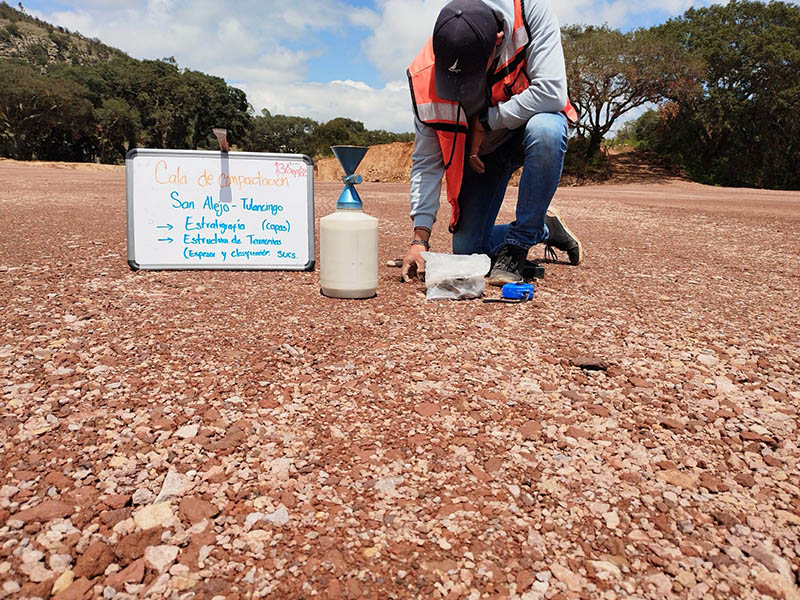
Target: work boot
<point>561,238</point>
<point>532,270</point>
<point>508,264</point>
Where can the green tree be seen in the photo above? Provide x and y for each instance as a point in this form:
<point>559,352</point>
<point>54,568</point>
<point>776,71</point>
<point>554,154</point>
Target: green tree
<point>220,105</point>
<point>610,73</point>
<point>339,131</point>
<point>742,127</point>
<point>118,128</point>
<point>643,133</point>
<point>41,117</point>
<point>381,136</point>
<point>281,133</point>
<point>179,109</point>
<point>166,104</point>
<point>175,108</point>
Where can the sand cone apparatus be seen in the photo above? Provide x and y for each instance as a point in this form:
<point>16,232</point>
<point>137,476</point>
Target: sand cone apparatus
<point>348,238</point>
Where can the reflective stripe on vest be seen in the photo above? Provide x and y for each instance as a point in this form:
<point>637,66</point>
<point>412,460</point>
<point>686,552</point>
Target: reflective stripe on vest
<point>449,118</point>
<point>519,38</point>
<point>432,112</point>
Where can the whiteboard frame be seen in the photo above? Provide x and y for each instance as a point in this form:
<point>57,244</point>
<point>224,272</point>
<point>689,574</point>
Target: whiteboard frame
<point>133,153</point>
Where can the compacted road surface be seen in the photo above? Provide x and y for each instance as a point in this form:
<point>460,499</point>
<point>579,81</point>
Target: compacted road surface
<point>631,433</point>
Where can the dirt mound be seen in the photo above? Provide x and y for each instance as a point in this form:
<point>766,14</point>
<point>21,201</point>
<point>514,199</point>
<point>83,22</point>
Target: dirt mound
<point>642,167</point>
<point>391,163</point>
<point>384,163</point>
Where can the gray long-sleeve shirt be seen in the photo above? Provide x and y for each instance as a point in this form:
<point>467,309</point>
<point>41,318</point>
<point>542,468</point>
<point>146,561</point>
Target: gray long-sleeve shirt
<point>546,93</point>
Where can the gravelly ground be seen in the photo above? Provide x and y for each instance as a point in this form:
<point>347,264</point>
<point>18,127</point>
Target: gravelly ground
<point>231,434</point>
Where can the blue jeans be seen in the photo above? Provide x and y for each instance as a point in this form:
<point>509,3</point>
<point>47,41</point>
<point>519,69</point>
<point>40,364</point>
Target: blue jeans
<point>539,149</point>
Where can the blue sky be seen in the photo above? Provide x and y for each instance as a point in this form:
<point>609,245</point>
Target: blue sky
<point>322,59</point>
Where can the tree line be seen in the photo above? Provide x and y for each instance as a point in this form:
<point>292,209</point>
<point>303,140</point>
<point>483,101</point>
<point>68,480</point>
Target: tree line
<point>98,112</point>
<point>721,84</point>
<point>737,123</point>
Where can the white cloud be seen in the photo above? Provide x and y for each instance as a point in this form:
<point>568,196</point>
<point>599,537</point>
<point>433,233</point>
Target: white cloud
<point>262,47</point>
<point>387,108</point>
<point>201,33</point>
<point>403,27</point>
<point>265,46</point>
<point>617,13</point>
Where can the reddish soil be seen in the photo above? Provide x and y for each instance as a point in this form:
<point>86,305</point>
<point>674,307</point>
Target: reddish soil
<point>391,163</point>
<point>384,163</point>
<point>632,432</point>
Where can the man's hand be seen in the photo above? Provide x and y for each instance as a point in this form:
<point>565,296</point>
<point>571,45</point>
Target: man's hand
<point>414,264</point>
<point>477,134</point>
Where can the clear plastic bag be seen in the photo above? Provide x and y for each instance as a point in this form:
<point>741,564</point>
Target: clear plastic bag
<point>455,276</point>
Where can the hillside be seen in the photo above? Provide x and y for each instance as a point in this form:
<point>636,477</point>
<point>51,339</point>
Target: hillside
<point>39,43</point>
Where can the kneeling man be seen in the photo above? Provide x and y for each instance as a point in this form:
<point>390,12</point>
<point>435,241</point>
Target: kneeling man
<point>489,91</point>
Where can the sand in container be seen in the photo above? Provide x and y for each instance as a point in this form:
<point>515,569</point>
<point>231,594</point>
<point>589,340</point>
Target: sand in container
<point>348,238</point>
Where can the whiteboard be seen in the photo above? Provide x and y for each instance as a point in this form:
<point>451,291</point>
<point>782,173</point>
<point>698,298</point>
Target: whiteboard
<point>193,209</point>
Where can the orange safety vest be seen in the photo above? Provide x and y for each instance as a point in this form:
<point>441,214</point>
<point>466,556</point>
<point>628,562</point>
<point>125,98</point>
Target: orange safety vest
<point>449,119</point>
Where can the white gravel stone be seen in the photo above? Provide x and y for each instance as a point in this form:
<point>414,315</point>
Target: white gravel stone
<point>39,573</point>
<point>155,515</point>
<point>205,552</point>
<point>544,576</point>
<point>724,385</point>
<point>161,557</point>
<point>388,485</point>
<point>541,586</point>
<point>252,519</point>
<point>11,587</point>
<point>159,587</point>
<point>142,496</point>
<point>279,517</point>
<point>174,486</point>
<point>59,562</point>
<point>7,491</point>
<point>31,555</point>
<point>708,360</point>
<point>612,519</point>
<point>279,468</point>
<point>606,570</point>
<point>187,431</point>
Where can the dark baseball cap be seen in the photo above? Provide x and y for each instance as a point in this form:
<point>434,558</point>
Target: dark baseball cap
<point>463,39</point>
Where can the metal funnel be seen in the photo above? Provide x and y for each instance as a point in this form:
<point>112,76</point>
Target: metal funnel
<point>349,157</point>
